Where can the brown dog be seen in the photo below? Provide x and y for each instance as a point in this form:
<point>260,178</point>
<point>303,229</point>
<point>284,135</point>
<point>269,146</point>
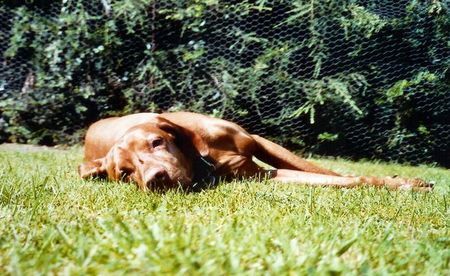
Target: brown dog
<point>160,151</point>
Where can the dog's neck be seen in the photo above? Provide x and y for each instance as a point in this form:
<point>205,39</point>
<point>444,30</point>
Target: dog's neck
<point>204,173</point>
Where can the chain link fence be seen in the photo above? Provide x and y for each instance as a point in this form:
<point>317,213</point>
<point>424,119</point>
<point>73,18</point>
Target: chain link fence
<point>357,79</point>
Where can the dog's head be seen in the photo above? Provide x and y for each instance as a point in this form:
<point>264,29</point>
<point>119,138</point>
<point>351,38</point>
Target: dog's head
<point>155,156</point>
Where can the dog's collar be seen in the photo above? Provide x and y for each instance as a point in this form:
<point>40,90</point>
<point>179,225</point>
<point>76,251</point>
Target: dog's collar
<point>204,174</point>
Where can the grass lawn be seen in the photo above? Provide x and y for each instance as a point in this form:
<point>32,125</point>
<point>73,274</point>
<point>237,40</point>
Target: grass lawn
<point>53,222</point>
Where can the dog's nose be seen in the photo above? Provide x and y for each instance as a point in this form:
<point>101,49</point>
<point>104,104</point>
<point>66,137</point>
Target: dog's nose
<point>156,177</point>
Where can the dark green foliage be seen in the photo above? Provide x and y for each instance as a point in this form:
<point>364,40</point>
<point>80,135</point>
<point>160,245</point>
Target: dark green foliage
<point>338,77</point>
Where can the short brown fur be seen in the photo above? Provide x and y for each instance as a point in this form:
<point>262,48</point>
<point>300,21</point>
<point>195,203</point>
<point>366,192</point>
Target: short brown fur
<point>159,151</point>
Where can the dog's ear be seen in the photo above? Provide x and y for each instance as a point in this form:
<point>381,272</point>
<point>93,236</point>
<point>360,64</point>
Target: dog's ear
<point>95,169</point>
<point>185,138</point>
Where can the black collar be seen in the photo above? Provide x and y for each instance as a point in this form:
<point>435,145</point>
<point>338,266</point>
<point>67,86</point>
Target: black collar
<point>204,174</point>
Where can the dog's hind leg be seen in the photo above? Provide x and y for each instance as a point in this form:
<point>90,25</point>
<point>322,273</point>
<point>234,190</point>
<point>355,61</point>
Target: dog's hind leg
<point>314,179</point>
<point>281,158</point>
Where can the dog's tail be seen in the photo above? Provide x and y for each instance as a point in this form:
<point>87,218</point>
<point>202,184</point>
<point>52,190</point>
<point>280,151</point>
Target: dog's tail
<point>281,158</point>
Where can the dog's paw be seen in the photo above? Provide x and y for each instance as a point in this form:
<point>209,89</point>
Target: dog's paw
<point>415,184</point>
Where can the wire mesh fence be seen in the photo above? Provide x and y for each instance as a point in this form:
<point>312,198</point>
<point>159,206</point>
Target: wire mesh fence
<point>361,79</point>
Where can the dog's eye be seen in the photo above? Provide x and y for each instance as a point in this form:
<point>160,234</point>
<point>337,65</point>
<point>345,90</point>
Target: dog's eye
<point>157,142</point>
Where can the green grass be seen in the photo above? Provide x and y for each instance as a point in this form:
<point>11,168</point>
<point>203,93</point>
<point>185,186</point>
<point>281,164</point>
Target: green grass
<point>53,222</point>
